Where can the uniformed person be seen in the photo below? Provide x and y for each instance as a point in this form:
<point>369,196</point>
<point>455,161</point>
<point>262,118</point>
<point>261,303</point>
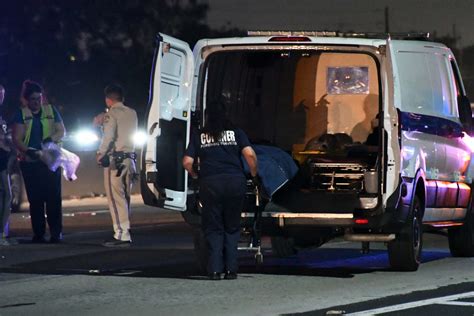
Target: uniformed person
<point>37,123</point>
<point>116,154</point>
<point>222,186</point>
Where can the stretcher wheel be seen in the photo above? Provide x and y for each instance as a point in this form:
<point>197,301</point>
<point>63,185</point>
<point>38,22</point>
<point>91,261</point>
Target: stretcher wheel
<point>258,258</point>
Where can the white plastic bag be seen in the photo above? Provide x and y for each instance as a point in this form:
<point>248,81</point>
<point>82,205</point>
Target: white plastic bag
<point>70,162</point>
<point>54,157</point>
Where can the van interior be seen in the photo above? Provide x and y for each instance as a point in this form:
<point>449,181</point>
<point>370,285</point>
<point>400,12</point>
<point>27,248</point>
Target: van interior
<point>320,107</point>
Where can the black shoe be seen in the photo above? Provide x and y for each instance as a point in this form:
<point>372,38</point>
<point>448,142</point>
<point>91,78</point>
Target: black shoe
<point>115,243</point>
<point>229,275</point>
<point>215,276</point>
<point>38,240</point>
<point>55,240</point>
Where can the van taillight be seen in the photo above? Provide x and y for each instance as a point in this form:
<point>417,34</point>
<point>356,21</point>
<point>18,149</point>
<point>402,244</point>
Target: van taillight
<point>361,221</point>
<point>289,39</point>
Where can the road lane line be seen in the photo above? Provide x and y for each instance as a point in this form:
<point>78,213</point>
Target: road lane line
<point>458,303</point>
<point>393,308</point>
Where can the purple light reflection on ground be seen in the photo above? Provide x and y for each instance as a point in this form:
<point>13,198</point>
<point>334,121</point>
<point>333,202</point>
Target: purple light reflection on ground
<point>343,258</point>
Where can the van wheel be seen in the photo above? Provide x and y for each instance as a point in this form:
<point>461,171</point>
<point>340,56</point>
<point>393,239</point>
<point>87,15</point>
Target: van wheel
<point>461,239</point>
<point>200,250</point>
<point>404,252</point>
<point>282,246</point>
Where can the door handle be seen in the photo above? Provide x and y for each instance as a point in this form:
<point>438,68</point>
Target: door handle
<point>152,128</point>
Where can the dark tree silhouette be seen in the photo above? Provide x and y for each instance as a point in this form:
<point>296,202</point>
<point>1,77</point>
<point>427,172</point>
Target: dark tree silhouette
<point>74,48</point>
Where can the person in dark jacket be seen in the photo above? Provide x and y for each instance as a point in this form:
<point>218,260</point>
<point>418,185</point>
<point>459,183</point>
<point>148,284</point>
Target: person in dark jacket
<point>222,182</point>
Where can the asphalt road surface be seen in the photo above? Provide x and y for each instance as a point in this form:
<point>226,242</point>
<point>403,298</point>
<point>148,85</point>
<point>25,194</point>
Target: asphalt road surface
<point>158,275</point>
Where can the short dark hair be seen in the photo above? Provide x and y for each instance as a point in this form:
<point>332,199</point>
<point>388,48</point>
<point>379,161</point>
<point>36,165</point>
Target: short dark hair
<point>216,119</point>
<point>29,87</point>
<point>114,92</point>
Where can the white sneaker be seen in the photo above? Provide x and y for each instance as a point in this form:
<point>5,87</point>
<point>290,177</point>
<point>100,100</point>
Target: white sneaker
<point>5,242</point>
<point>12,241</point>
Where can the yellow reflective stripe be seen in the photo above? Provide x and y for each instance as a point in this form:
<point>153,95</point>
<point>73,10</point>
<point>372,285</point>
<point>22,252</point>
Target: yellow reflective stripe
<point>28,121</point>
<point>47,122</point>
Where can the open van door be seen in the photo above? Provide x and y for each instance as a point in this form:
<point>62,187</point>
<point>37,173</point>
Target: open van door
<point>391,85</point>
<point>163,179</point>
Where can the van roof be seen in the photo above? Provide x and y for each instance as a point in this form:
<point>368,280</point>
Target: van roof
<point>370,35</point>
<point>320,38</point>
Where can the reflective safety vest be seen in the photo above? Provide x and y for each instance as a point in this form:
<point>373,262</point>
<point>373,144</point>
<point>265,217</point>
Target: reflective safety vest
<point>47,121</point>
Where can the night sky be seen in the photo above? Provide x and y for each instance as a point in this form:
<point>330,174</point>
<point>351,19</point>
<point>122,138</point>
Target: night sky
<point>75,48</point>
<point>444,17</point>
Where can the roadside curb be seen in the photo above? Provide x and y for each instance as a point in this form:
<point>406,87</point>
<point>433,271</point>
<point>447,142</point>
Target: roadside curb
<point>85,213</point>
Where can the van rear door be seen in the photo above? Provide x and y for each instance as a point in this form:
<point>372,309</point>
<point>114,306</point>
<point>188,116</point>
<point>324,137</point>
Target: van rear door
<point>391,100</point>
<point>163,179</point>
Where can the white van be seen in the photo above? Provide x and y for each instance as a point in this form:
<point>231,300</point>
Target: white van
<point>316,96</point>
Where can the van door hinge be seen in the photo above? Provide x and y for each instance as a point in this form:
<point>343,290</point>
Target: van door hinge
<point>166,47</point>
<point>383,50</point>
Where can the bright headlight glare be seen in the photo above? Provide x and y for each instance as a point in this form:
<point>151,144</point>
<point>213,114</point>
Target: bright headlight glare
<point>86,137</point>
<point>140,138</point>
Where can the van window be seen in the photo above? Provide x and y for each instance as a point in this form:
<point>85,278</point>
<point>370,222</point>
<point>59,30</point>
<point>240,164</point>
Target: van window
<point>463,104</point>
<point>348,80</point>
<point>457,80</point>
<point>282,97</point>
<point>425,84</point>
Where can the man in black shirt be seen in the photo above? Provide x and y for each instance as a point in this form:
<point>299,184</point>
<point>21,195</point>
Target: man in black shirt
<point>222,185</point>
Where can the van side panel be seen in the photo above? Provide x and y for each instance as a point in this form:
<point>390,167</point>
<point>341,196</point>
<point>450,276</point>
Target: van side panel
<point>431,129</point>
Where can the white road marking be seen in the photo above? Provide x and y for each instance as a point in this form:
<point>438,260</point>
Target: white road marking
<point>458,303</point>
<point>393,308</point>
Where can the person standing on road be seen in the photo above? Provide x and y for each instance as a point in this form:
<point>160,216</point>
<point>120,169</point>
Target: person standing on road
<point>35,124</point>
<point>5,191</point>
<point>116,154</point>
<point>222,186</point>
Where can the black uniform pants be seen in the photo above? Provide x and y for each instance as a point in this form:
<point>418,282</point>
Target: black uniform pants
<point>223,199</point>
<point>43,188</point>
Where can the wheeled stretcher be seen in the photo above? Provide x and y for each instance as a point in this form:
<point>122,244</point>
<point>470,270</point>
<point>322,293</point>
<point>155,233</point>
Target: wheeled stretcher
<point>251,233</point>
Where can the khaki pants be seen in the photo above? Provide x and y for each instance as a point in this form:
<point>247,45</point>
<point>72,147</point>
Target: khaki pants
<point>118,190</point>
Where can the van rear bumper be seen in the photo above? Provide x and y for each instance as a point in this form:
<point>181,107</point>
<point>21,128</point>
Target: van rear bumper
<point>385,221</point>
<point>282,219</point>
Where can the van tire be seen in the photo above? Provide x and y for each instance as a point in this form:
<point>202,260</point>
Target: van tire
<point>461,239</point>
<point>283,246</point>
<point>201,250</point>
<point>404,252</point>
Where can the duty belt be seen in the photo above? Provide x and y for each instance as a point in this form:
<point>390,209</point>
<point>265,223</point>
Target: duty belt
<point>119,157</point>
